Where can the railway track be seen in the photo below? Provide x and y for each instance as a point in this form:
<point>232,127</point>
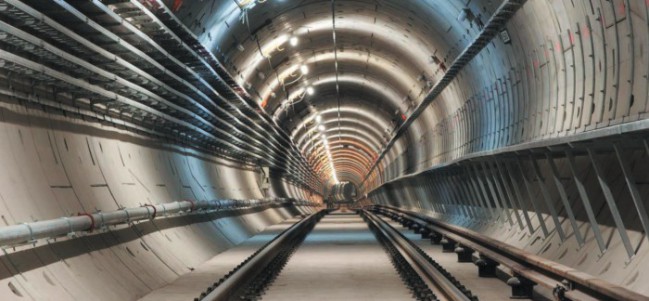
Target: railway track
<point>425,277</point>
<point>527,270</point>
<point>251,277</point>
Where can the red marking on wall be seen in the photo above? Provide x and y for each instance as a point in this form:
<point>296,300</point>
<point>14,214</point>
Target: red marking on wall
<point>404,117</point>
<point>264,103</point>
<point>572,38</point>
<point>558,45</point>
<point>177,5</point>
<point>585,32</point>
<point>622,9</point>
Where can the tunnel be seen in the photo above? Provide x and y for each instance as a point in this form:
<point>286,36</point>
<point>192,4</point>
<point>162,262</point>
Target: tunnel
<point>324,149</point>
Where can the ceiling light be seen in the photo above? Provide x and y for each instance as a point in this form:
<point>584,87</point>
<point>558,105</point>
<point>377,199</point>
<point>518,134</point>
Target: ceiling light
<point>304,69</point>
<point>318,118</point>
<point>322,128</point>
<point>293,41</point>
<point>310,90</point>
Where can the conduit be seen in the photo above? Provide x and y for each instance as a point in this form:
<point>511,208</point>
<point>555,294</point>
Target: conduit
<point>87,222</point>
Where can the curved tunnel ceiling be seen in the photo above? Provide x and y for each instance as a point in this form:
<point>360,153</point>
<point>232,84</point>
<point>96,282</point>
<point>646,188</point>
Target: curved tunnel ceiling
<point>528,126</point>
<point>361,66</point>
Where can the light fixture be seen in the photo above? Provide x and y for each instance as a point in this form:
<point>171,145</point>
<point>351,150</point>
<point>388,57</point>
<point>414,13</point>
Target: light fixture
<point>293,41</point>
<point>310,90</point>
<point>318,118</point>
<point>304,69</point>
<point>321,128</point>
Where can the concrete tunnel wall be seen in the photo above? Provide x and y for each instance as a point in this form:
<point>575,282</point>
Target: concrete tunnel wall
<point>571,67</point>
<point>503,196</point>
<point>55,166</point>
<point>573,73</point>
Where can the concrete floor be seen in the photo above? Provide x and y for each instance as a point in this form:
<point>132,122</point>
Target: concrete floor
<point>487,289</point>
<point>189,286</point>
<point>339,260</point>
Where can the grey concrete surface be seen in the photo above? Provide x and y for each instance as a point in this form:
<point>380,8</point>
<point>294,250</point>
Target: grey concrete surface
<point>54,167</point>
<point>190,285</point>
<point>339,260</point>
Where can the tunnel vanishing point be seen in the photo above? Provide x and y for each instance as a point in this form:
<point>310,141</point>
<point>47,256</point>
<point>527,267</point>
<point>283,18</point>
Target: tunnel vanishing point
<point>324,149</point>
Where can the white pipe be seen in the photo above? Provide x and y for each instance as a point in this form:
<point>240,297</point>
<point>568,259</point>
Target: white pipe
<point>86,222</point>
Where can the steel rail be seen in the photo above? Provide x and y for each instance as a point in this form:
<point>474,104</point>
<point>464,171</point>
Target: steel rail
<point>254,265</point>
<point>495,24</point>
<point>87,222</point>
<point>438,282</point>
<point>540,270</point>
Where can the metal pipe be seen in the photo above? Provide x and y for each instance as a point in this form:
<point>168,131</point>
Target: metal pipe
<point>87,222</point>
